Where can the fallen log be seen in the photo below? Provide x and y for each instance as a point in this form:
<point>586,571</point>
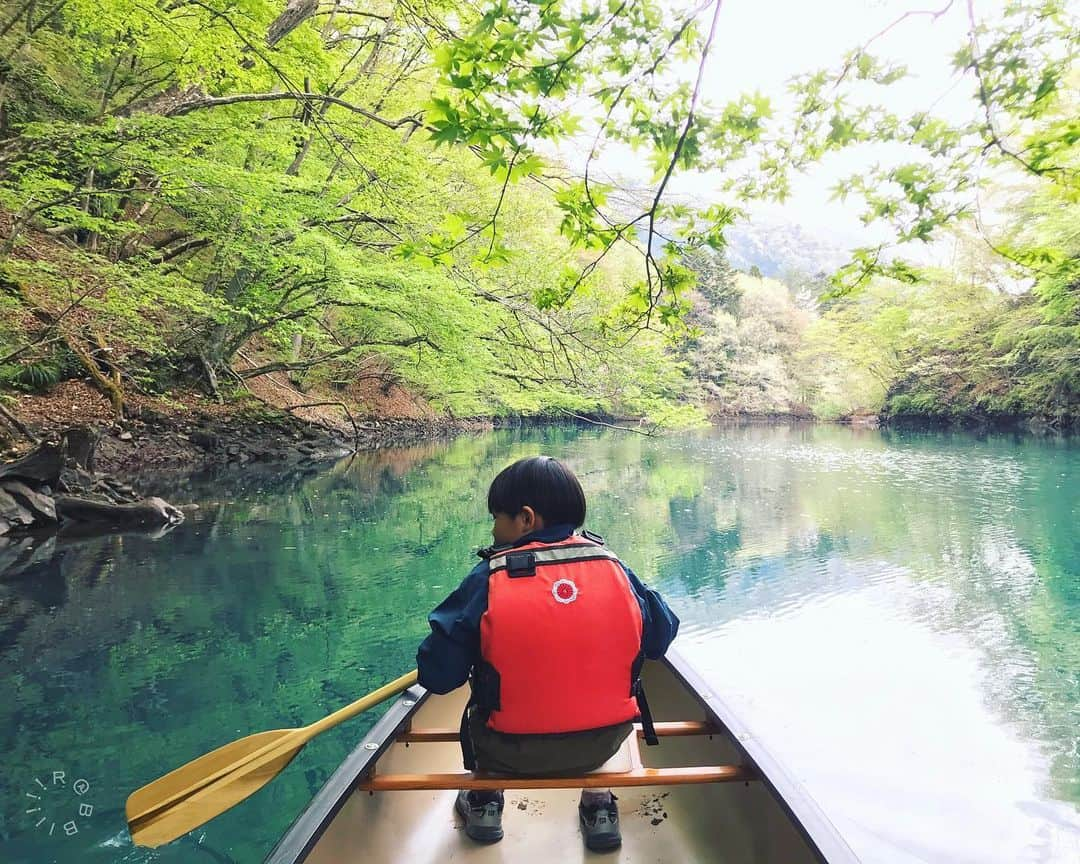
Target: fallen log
<point>28,488</point>
<point>148,513</point>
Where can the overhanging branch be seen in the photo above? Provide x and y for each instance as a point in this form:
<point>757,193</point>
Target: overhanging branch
<point>238,98</point>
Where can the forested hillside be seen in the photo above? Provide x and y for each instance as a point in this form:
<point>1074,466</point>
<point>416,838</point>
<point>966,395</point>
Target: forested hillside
<point>181,211</point>
<point>351,194</point>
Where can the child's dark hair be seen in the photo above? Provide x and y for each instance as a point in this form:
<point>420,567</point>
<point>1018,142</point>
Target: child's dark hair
<point>540,482</point>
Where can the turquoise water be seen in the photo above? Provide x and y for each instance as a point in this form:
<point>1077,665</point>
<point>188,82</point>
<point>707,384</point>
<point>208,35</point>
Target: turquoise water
<point>897,615</point>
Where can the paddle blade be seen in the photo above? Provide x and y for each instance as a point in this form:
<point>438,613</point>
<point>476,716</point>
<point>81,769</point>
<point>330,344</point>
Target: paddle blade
<point>177,819</point>
<point>176,783</point>
<point>202,789</point>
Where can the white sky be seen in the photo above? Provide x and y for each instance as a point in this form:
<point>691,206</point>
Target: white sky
<point>761,44</point>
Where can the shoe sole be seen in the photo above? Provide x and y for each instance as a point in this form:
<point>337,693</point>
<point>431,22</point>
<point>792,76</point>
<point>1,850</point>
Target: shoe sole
<point>477,833</point>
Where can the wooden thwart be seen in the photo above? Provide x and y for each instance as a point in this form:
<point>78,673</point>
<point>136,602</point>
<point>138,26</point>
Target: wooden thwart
<point>636,776</point>
<point>602,780</point>
<point>669,729</point>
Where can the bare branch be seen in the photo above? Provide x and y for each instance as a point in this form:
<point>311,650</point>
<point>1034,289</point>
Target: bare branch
<point>341,405</point>
<point>934,15</point>
<point>217,101</point>
<point>678,151</point>
<point>602,423</point>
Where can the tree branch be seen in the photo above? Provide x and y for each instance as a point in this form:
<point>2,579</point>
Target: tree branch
<point>14,421</point>
<point>341,405</point>
<point>187,246</point>
<point>675,156</point>
<point>295,366</point>
<point>217,101</point>
<point>602,423</point>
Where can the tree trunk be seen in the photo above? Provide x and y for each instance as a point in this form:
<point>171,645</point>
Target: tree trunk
<point>105,384</point>
<point>27,7</point>
<point>111,388</point>
<point>223,340</point>
<point>296,13</point>
<point>80,443</point>
<point>294,168</point>
<point>211,377</point>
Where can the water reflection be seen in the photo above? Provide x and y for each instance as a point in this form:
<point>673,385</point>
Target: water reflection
<point>886,719</point>
<point>896,615</point>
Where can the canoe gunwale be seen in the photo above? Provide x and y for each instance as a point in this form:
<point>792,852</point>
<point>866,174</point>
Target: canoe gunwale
<point>811,822</point>
<point>315,818</point>
<point>805,814</point>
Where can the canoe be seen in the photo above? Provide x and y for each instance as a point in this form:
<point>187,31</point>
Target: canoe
<point>708,792</point>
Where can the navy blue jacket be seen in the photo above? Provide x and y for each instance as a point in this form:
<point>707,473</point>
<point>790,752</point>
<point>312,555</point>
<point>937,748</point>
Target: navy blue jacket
<point>448,654</point>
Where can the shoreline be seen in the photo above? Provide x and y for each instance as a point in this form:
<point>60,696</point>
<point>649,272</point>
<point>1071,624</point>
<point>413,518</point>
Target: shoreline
<point>152,440</point>
<point>192,434</point>
<point>113,486</point>
<point>68,468</point>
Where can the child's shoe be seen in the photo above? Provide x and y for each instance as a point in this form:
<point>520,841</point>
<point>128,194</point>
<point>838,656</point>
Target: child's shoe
<point>600,824</point>
<point>482,812</point>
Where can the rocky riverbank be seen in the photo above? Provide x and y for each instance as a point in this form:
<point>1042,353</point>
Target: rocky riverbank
<point>56,486</point>
<point>188,432</point>
<point>154,441</point>
<point>99,475</point>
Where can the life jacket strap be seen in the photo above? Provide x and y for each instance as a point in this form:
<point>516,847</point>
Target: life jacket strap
<point>648,730</point>
<point>468,754</point>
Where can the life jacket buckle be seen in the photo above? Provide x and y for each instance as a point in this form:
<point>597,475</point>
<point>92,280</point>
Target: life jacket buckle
<point>520,564</point>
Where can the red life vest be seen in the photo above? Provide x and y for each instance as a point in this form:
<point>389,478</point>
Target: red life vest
<point>563,632</point>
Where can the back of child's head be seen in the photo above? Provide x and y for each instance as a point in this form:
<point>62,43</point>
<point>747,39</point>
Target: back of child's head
<point>542,483</point>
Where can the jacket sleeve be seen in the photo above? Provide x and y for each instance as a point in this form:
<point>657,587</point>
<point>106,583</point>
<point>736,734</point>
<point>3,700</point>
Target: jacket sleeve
<point>446,657</point>
<point>659,625</point>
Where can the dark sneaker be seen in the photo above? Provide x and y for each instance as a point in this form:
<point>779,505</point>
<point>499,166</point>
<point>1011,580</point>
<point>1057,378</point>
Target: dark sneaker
<point>600,825</point>
<point>482,812</point>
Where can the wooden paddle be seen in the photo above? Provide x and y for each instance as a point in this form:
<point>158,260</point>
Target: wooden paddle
<point>208,786</point>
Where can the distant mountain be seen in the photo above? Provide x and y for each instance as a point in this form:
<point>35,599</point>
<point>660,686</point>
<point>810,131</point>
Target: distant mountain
<point>775,248</point>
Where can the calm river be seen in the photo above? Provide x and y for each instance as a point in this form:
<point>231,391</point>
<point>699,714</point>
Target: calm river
<point>897,615</point>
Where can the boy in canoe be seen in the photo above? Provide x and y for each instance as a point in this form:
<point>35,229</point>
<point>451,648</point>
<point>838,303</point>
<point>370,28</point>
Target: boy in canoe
<point>551,630</point>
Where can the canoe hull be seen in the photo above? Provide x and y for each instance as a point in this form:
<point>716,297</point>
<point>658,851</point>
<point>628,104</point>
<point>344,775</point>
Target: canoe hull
<point>768,820</point>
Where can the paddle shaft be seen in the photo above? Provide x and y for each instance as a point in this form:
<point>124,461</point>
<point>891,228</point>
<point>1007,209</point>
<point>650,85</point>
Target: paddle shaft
<point>349,711</point>
<point>295,741</point>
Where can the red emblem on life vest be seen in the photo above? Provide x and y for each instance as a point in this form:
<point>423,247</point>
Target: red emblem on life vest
<point>564,591</point>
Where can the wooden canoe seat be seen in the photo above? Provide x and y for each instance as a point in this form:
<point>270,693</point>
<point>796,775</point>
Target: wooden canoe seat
<point>638,775</point>
<point>693,727</point>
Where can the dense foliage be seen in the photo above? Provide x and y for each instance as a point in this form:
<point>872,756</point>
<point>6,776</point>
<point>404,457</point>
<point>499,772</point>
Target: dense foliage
<point>363,191</point>
<point>260,186</point>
